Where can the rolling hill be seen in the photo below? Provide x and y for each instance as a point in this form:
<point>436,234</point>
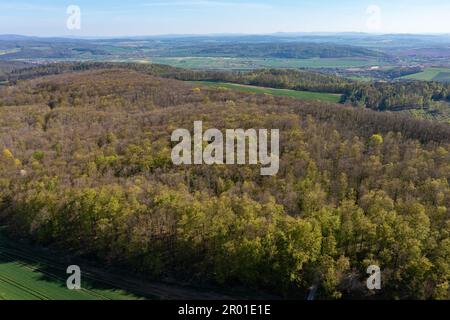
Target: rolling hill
<point>85,166</point>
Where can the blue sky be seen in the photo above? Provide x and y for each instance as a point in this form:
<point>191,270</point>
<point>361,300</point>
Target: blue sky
<point>152,17</point>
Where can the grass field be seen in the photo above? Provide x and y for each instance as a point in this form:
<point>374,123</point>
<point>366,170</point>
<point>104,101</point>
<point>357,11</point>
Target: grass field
<point>3,52</point>
<point>222,63</point>
<point>34,273</point>
<point>328,97</point>
<point>28,275</point>
<point>431,74</point>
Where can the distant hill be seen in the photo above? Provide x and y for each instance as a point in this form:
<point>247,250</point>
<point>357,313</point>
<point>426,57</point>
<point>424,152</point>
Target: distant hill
<point>285,50</point>
<point>14,37</point>
<point>21,47</point>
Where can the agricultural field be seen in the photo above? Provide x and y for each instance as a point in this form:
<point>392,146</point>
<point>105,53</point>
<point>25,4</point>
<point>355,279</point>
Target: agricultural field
<point>431,74</point>
<point>8,51</point>
<point>305,95</point>
<point>28,275</point>
<point>224,63</point>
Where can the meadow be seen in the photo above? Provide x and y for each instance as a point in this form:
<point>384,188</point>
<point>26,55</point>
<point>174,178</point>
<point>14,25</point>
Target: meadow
<point>304,95</point>
<point>8,51</point>
<point>431,74</point>
<point>226,63</point>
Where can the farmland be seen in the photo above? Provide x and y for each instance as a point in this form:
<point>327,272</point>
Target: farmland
<point>15,50</point>
<point>226,63</point>
<point>305,95</point>
<point>28,275</point>
<point>431,74</point>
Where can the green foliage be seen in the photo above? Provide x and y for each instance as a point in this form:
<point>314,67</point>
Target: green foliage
<point>355,187</point>
<point>38,155</point>
<point>376,140</point>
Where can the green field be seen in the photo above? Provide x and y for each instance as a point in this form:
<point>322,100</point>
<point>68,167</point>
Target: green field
<point>28,275</point>
<point>223,63</point>
<point>3,52</point>
<point>431,74</point>
<point>305,95</point>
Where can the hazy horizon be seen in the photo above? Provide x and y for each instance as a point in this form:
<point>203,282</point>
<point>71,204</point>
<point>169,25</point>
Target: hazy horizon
<point>275,34</point>
<point>114,18</point>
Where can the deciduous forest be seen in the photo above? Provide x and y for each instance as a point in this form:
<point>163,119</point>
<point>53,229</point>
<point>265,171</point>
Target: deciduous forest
<point>423,99</point>
<point>85,166</point>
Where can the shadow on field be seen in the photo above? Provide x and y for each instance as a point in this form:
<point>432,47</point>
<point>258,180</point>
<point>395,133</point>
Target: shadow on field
<point>52,267</point>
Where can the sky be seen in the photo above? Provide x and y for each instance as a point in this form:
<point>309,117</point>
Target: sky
<point>160,17</point>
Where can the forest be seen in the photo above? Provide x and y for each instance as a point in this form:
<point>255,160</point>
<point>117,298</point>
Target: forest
<point>85,166</point>
<point>425,99</point>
